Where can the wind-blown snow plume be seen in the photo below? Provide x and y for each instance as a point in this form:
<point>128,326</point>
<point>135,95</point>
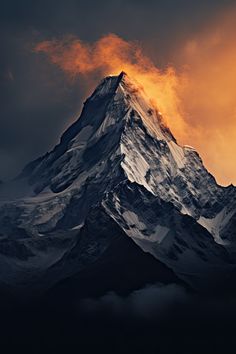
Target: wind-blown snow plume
<point>111,55</point>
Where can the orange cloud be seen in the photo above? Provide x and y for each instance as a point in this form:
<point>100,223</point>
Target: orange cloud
<point>111,55</point>
<point>208,97</point>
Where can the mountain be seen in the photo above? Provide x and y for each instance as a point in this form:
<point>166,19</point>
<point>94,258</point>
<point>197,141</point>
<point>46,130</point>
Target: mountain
<point>117,175</point>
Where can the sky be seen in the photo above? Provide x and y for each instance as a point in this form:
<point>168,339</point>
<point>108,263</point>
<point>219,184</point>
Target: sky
<point>38,100</point>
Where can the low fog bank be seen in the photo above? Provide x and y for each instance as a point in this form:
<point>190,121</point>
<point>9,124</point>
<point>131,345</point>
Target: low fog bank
<point>155,300</point>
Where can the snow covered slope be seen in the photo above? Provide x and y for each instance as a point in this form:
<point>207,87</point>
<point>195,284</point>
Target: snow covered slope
<point>120,157</point>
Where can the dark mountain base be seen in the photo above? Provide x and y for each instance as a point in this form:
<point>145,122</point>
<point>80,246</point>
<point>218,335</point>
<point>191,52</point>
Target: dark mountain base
<point>122,268</point>
<point>76,317</point>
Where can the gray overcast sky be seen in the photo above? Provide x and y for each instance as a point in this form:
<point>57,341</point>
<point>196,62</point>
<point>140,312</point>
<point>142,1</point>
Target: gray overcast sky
<point>36,100</point>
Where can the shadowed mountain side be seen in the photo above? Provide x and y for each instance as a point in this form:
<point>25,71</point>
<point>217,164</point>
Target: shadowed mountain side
<point>123,268</point>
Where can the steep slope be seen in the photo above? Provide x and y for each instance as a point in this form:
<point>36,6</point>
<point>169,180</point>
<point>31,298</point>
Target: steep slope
<point>120,157</point>
<point>174,238</point>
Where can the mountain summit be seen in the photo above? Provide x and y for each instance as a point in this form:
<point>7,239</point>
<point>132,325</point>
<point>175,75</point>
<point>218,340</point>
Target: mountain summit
<point>116,171</point>
<point>108,115</point>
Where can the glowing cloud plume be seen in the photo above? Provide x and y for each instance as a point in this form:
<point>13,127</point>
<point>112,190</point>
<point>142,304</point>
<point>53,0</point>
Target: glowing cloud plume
<point>111,55</point>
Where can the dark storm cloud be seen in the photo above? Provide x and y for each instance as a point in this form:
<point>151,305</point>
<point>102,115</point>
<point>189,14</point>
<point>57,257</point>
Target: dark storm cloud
<point>36,100</point>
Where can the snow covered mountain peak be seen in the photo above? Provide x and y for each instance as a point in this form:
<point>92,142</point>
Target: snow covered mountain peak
<point>119,161</point>
<point>127,92</point>
<point>115,120</point>
<point>109,85</point>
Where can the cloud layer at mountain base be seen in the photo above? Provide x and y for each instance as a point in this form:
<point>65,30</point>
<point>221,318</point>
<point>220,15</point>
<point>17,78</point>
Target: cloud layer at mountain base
<point>154,301</point>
